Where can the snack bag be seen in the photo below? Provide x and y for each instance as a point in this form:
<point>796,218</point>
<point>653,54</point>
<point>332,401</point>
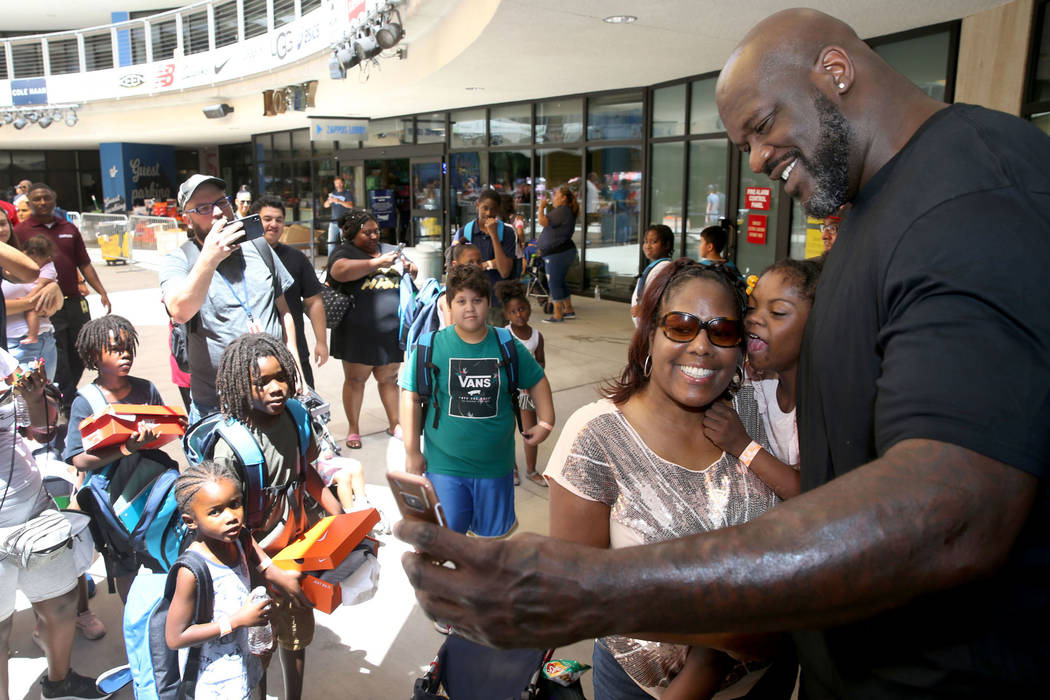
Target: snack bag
<point>564,671</point>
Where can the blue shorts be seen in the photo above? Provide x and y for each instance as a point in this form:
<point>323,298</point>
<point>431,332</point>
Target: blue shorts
<point>483,507</point>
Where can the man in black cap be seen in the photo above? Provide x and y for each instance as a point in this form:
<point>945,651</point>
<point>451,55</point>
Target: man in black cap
<point>221,287</point>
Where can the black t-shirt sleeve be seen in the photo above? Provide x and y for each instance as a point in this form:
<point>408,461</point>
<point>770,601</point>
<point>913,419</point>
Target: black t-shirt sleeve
<point>965,340</point>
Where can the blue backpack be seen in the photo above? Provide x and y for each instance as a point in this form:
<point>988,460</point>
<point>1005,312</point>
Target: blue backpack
<point>199,444</point>
<point>418,310</point>
<point>640,287</point>
<point>467,234</point>
<point>428,374</point>
<point>155,667</point>
<point>468,231</point>
<point>132,505</point>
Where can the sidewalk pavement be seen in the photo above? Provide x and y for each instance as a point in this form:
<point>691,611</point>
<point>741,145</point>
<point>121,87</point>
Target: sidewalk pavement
<point>378,648</point>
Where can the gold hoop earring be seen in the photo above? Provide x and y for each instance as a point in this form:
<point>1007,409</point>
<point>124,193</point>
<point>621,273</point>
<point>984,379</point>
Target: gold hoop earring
<point>647,366</point>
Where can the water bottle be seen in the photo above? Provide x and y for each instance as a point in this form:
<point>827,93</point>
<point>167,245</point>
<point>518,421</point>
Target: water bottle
<point>597,293</point>
<point>260,638</point>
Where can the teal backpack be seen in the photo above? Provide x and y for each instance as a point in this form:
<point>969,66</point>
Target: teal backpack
<point>201,438</point>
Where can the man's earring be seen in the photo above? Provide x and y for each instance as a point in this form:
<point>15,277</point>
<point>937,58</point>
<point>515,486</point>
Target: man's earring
<point>842,86</point>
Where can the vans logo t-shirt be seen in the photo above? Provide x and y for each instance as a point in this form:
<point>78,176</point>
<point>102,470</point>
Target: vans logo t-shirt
<point>473,387</point>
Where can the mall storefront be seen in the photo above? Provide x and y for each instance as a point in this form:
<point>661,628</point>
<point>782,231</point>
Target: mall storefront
<point>634,157</point>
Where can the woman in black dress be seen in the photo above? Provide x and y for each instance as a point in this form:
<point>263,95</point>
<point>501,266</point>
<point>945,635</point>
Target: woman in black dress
<point>367,338</point>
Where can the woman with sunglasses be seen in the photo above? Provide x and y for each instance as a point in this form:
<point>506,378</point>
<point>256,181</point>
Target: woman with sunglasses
<point>635,467</point>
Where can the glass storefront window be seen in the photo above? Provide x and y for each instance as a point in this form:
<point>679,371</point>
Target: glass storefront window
<point>669,111</point>
<point>805,234</point>
<point>387,132</point>
<point>282,145</point>
<point>556,167</point>
<point>614,117</point>
<point>430,128</point>
<point>923,60</point>
<point>665,183</point>
<point>468,128</point>
<point>612,240</point>
<point>263,147</point>
<point>1042,121</point>
<point>466,174</point>
<point>707,189</point>
<point>756,227</point>
<point>703,112</point>
<point>510,125</point>
<point>510,172</point>
<point>301,143</point>
<point>302,204</point>
<point>559,121</point>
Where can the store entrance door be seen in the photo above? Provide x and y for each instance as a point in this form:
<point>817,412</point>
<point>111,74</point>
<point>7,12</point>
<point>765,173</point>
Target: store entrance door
<point>428,210</point>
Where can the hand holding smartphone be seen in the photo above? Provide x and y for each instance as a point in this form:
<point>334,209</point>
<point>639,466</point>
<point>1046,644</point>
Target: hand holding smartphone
<point>416,498</point>
<point>252,227</point>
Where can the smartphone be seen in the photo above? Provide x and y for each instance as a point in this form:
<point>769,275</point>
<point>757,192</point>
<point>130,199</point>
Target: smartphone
<point>416,498</point>
<point>252,227</point>
<point>400,247</point>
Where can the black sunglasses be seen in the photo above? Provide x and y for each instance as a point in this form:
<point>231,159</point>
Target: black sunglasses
<point>680,327</point>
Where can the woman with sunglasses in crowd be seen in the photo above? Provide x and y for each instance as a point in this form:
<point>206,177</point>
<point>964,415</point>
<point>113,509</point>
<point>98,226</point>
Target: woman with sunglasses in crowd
<point>636,467</point>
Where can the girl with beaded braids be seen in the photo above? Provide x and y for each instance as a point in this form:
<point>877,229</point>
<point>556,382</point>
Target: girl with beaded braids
<point>211,504</point>
<point>636,467</point>
<point>366,341</point>
<point>256,379</point>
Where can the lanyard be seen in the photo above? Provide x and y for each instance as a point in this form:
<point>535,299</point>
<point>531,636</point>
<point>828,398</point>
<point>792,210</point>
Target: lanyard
<point>244,287</point>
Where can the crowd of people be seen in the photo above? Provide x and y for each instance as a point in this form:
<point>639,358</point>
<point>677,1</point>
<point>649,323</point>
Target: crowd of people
<point>837,468</point>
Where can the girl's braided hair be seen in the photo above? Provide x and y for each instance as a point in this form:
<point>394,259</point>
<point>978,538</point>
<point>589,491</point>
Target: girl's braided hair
<point>195,476</point>
<point>239,369</point>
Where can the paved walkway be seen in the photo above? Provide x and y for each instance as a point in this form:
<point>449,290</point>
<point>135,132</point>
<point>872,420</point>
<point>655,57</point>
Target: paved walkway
<point>376,649</point>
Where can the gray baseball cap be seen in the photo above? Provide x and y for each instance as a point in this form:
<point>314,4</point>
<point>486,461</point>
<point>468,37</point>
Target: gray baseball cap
<point>187,188</point>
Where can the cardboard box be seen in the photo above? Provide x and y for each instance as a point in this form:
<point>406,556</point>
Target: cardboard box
<point>324,547</point>
<point>115,424</point>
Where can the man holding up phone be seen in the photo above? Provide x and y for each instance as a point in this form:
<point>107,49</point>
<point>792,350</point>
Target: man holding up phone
<point>221,288</point>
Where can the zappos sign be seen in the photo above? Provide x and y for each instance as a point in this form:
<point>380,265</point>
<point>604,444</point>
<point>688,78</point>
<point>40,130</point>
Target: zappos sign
<point>337,129</point>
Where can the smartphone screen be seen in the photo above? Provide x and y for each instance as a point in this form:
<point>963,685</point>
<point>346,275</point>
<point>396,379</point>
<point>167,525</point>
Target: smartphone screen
<point>400,247</point>
<point>252,227</point>
<point>416,498</point>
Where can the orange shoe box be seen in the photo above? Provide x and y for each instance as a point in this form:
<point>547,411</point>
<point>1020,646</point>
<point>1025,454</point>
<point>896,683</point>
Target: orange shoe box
<point>116,423</point>
<point>323,547</point>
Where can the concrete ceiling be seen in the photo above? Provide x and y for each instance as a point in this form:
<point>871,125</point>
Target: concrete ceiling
<point>505,50</point>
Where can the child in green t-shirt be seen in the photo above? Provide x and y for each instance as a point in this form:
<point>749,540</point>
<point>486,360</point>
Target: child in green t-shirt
<point>468,453</point>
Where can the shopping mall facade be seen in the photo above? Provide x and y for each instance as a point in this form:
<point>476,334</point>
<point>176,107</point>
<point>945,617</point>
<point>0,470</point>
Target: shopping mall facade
<point>519,96</point>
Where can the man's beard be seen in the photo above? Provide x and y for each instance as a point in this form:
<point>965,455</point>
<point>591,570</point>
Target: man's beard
<point>830,164</point>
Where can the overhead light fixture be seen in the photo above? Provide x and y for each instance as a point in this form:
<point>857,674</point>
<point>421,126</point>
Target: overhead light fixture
<point>20,123</point>
<point>335,67</point>
<point>44,122</point>
<point>217,111</point>
<point>620,19</point>
<point>33,117</point>
<point>9,117</point>
<point>366,46</point>
<point>390,32</point>
<point>71,118</point>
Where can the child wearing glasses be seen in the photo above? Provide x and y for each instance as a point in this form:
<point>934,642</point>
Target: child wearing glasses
<point>636,467</point>
<point>778,308</point>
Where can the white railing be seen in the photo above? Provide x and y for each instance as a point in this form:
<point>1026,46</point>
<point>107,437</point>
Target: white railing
<point>202,26</point>
<point>94,225</point>
<point>197,45</point>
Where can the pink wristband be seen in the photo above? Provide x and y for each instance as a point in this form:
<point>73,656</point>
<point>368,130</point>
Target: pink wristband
<point>545,424</point>
<point>749,453</point>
